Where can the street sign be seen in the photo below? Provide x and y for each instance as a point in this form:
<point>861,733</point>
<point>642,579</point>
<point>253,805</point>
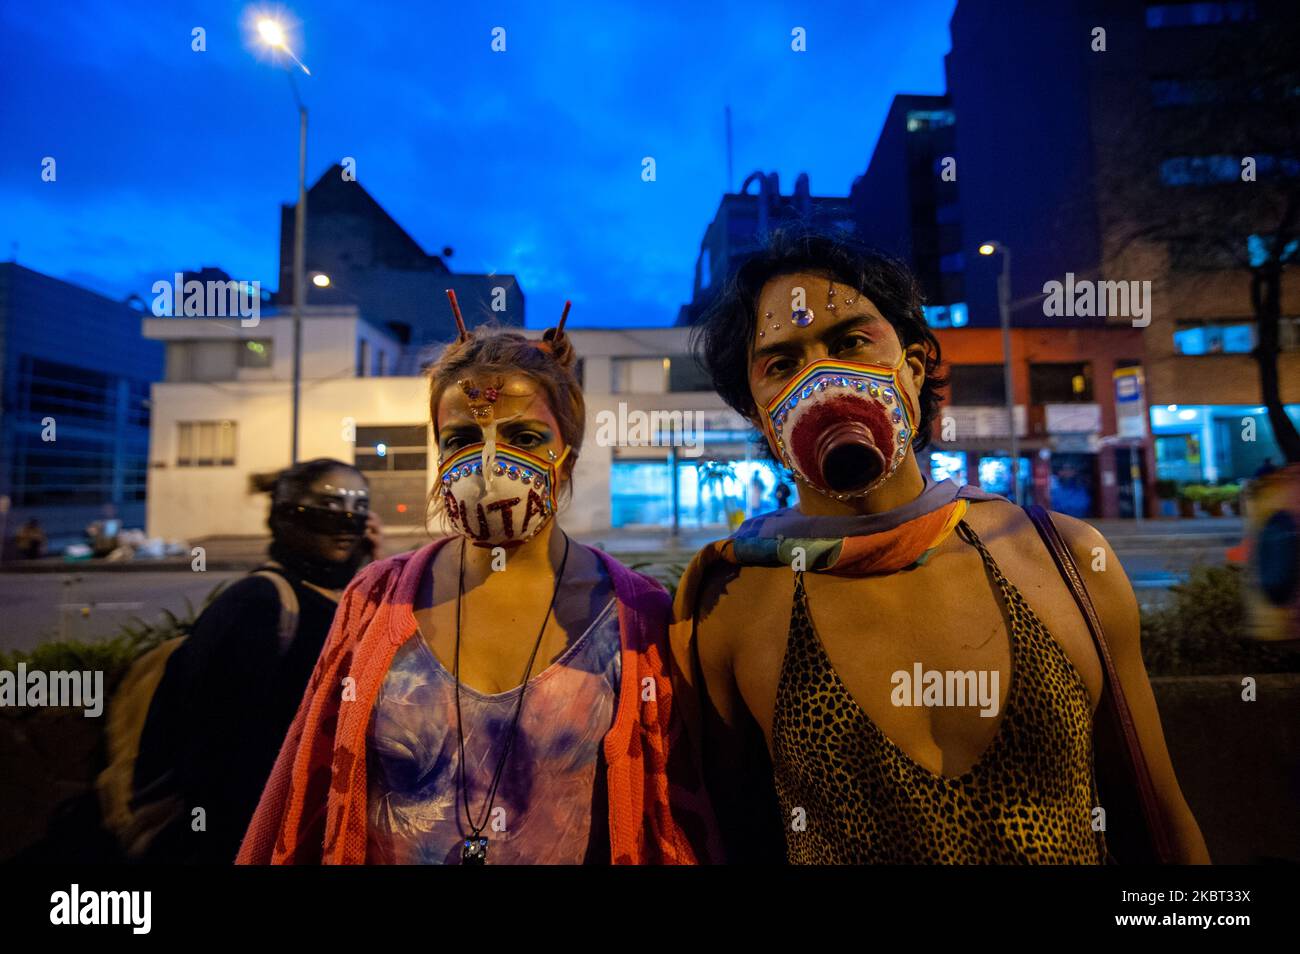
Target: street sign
<point>1130,403</point>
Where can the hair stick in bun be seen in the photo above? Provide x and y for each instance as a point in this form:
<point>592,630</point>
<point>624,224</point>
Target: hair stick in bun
<point>455,312</point>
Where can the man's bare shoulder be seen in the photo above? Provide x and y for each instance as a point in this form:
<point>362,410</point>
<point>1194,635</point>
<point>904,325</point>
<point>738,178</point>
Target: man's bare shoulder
<point>734,598</point>
<point>1000,522</point>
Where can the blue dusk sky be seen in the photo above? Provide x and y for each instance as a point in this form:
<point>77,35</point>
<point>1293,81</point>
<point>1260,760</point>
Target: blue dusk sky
<point>526,162</point>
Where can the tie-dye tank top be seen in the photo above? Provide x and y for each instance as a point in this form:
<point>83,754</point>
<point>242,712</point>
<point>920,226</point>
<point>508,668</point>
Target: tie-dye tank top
<point>550,807</point>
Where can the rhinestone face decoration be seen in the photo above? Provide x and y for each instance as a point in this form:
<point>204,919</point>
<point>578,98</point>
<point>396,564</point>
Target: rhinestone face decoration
<point>822,378</point>
<point>482,401</point>
<point>802,317</point>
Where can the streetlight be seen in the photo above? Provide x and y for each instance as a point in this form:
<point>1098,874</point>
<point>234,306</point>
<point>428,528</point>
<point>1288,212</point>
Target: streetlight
<point>272,33</point>
<point>1004,312</point>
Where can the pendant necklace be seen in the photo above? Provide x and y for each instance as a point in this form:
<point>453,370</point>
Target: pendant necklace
<point>474,849</point>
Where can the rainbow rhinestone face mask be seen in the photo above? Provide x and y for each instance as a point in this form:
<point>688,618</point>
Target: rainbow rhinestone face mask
<point>842,426</point>
<point>498,494</point>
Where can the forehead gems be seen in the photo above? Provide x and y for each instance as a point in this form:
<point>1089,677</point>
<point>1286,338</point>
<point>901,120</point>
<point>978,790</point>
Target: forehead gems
<point>802,317</point>
<point>482,404</point>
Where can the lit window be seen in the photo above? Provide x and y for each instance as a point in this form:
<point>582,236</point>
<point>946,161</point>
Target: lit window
<point>1215,338</point>
<point>918,119</point>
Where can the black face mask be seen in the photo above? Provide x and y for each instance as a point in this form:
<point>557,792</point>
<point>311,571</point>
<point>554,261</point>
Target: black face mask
<point>297,530</point>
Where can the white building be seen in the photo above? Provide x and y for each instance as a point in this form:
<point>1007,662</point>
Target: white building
<point>223,414</point>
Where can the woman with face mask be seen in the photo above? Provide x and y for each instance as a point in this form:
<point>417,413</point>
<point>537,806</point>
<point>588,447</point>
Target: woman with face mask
<point>507,693</point>
<point>231,687</point>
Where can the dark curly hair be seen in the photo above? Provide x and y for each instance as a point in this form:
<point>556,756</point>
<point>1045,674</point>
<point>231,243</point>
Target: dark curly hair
<point>723,339</point>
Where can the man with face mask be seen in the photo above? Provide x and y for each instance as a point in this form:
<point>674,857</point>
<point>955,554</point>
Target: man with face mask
<point>232,686</point>
<point>911,671</point>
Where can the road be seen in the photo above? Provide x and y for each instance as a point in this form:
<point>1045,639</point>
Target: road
<point>35,607</point>
<point>88,604</point>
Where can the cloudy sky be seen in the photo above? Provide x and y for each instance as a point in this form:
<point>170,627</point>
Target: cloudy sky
<point>527,162</point>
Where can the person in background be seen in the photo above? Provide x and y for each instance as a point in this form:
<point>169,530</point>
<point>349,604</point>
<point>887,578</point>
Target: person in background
<point>31,540</point>
<point>756,490</point>
<point>231,688</point>
<point>782,494</point>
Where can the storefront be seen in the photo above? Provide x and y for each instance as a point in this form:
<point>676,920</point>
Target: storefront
<point>730,480</point>
<point>1214,443</point>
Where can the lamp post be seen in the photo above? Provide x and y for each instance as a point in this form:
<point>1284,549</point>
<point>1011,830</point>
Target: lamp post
<point>273,35</point>
<point>1004,314</point>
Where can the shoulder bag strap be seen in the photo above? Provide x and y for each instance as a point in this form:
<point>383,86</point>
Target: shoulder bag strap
<point>1114,705</point>
<point>288,604</point>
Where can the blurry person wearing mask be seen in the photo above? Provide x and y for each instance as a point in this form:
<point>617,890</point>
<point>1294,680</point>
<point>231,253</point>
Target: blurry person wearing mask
<point>230,690</point>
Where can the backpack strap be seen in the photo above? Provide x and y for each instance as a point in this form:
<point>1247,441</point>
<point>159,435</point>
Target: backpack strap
<point>1116,735</point>
<point>288,603</point>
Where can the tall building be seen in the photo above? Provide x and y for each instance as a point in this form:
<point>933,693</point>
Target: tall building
<point>357,255</point>
<point>74,424</point>
<point>742,222</point>
<point>906,203</point>
<point>1103,141</point>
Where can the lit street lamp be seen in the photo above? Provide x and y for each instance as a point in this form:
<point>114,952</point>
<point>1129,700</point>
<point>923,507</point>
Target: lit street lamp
<point>272,34</point>
<point>1004,313</point>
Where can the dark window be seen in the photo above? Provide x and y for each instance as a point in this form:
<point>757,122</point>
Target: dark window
<point>65,392</point>
<point>77,467</point>
<point>395,447</point>
<point>1200,255</point>
<point>1167,15</point>
<point>68,470</point>
<point>976,384</point>
<point>1186,92</point>
<point>256,353</point>
<point>1060,383</point>
<point>685,374</point>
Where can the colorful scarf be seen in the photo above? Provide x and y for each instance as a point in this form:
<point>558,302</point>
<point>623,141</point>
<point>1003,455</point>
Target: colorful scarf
<point>854,545</point>
<point>844,546</point>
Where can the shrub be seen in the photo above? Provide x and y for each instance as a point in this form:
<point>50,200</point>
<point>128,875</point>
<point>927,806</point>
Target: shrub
<point>113,655</point>
<point>1202,631</point>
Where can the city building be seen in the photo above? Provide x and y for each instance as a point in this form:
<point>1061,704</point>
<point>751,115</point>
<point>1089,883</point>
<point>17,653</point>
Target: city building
<point>356,254</point>
<point>74,429</point>
<point>1069,389</point>
<point>1090,137</point>
<point>742,221</point>
<point>660,448</point>
<point>906,203</point>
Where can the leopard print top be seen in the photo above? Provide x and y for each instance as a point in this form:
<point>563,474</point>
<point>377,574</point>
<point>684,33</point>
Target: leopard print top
<point>849,795</point>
